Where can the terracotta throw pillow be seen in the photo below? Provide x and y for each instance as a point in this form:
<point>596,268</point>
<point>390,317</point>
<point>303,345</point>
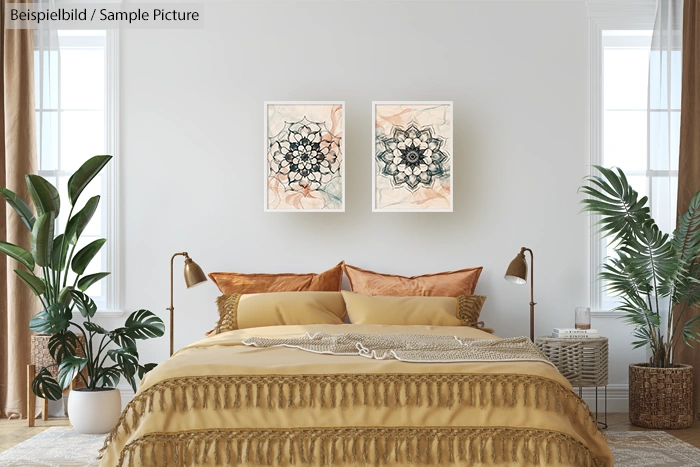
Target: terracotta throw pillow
<point>241,311</point>
<point>442,284</point>
<point>235,282</point>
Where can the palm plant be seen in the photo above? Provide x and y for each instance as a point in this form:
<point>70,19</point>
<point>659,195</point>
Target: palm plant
<point>61,295</point>
<point>651,271</point>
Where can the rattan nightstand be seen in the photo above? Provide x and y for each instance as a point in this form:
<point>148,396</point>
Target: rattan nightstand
<point>584,362</point>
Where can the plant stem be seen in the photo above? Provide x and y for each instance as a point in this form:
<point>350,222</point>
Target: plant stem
<point>63,243</point>
<point>678,322</point>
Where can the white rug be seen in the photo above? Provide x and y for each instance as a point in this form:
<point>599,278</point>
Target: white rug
<point>64,447</point>
<point>55,447</point>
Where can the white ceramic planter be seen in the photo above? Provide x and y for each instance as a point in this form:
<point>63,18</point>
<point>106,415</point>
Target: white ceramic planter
<point>94,412</point>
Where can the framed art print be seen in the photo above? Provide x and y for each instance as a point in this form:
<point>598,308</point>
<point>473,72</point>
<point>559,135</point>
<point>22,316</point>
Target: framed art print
<point>412,157</point>
<point>305,156</point>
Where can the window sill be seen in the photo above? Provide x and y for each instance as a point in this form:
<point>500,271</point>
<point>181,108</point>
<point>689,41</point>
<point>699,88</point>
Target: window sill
<point>607,314</point>
<point>110,313</point>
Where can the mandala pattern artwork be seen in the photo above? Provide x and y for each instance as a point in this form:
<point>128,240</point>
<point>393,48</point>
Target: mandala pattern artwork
<point>413,156</point>
<point>304,155</point>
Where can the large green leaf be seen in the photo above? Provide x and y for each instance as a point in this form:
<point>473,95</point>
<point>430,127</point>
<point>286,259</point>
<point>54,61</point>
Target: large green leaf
<point>108,377</point>
<point>84,175</point>
<point>82,259</point>
<point>121,337</point>
<point>64,295</point>
<point>128,362</point>
<point>69,369</point>
<point>44,195</point>
<point>143,369</point>
<point>62,345</point>
<point>85,282</point>
<point>59,252</point>
<point>622,213</point>
<point>42,239</point>
<point>18,253</point>
<point>80,220</point>
<point>44,385</point>
<point>143,324</point>
<point>20,206</point>
<point>54,319</point>
<point>93,327</point>
<point>34,283</point>
<point>85,304</point>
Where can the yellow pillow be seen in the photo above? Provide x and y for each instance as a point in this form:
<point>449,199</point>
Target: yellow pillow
<point>240,311</point>
<point>427,311</point>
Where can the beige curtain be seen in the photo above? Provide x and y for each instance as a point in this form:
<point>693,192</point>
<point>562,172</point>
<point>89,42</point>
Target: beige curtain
<point>689,156</point>
<point>17,158</point>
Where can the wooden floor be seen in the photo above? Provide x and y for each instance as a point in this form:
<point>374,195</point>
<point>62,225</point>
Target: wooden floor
<point>15,431</point>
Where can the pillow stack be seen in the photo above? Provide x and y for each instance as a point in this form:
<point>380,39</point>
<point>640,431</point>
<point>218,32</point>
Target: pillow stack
<point>255,300</point>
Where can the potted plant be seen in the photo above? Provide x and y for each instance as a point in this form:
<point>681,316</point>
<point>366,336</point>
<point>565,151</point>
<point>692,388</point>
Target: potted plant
<point>657,279</point>
<point>54,271</point>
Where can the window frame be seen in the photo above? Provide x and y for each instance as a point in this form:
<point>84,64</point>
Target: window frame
<point>603,15</point>
<point>111,305</point>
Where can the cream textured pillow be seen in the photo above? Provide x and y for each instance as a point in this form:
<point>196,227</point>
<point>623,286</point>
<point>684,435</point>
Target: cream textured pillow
<point>427,311</point>
<point>240,311</point>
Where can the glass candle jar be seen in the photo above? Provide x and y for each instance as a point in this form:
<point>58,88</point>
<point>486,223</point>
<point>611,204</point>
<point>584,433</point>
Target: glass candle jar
<point>583,318</point>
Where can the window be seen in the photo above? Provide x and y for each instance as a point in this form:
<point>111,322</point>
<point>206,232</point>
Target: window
<point>629,129</point>
<point>76,117</point>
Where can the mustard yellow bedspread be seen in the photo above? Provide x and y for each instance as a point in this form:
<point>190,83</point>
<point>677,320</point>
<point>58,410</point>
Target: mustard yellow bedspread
<point>218,402</point>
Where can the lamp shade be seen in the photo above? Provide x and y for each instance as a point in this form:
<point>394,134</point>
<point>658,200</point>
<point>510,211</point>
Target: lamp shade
<point>517,270</point>
<point>193,273</point>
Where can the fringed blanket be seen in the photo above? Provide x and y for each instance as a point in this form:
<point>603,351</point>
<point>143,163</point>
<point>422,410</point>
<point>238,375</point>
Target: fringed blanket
<point>415,348</point>
<point>220,402</point>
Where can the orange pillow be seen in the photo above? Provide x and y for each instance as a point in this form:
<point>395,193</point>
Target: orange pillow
<point>442,284</point>
<point>234,282</point>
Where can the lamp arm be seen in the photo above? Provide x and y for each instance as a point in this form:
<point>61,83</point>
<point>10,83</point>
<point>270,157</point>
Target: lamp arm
<point>532,292</point>
<point>171,309</point>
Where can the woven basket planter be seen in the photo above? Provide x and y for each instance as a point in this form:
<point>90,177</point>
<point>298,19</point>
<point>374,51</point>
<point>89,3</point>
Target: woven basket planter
<point>661,397</point>
<point>41,356</point>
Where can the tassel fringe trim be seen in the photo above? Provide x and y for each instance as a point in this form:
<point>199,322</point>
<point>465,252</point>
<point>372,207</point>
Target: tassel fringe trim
<point>343,391</point>
<point>377,446</point>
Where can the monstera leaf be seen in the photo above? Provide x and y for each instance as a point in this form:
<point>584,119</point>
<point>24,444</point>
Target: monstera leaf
<point>128,362</point>
<point>143,369</point>
<point>121,337</point>
<point>54,319</point>
<point>108,377</point>
<point>45,386</point>
<point>62,345</point>
<point>69,369</point>
<point>85,304</point>
<point>143,324</point>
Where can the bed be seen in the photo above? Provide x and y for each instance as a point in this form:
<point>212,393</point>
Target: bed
<point>220,402</point>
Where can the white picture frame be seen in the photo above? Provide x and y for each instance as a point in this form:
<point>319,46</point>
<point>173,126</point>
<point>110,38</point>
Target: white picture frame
<point>308,189</point>
<point>423,115</point>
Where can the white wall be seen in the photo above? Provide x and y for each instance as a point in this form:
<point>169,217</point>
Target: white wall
<point>191,120</point>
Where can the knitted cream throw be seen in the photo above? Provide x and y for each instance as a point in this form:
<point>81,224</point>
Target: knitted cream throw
<point>415,348</point>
